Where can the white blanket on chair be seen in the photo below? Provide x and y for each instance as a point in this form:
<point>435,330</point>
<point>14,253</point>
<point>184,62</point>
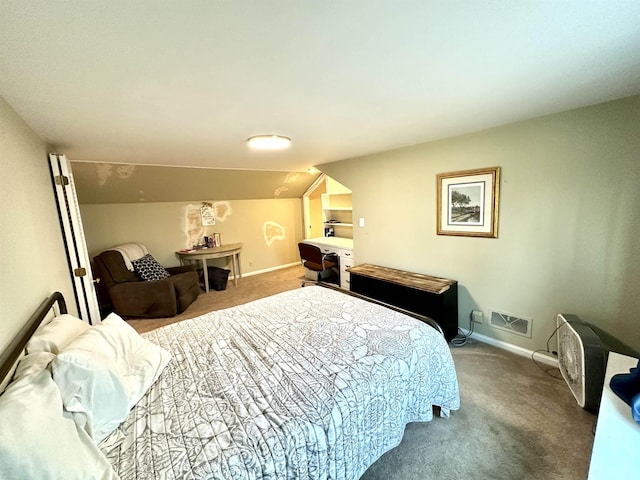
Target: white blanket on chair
<point>131,251</point>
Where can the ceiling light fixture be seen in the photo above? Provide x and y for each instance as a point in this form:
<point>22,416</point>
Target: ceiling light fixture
<point>269,142</point>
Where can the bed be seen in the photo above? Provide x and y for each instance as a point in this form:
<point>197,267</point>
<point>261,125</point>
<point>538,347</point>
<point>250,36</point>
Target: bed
<point>311,383</point>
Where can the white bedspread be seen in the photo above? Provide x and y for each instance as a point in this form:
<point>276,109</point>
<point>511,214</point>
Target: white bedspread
<point>308,384</point>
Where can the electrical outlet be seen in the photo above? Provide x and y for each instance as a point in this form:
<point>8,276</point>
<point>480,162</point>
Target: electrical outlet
<point>476,316</point>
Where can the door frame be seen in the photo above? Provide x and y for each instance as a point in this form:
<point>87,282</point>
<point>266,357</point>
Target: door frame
<point>306,205</point>
<point>74,239</point>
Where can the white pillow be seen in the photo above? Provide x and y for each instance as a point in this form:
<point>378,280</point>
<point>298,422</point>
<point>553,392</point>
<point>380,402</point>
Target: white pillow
<point>104,372</point>
<point>137,361</point>
<point>52,336</point>
<point>37,440</point>
<point>8,378</point>
<point>91,392</point>
<point>33,363</point>
<point>57,334</point>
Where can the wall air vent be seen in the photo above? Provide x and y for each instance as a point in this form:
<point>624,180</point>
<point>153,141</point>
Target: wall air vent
<point>511,323</point>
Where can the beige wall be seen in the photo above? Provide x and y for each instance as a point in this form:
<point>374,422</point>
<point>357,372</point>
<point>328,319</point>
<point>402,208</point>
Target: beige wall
<point>33,257</point>
<point>568,234</point>
<point>569,219</point>
<point>161,227</point>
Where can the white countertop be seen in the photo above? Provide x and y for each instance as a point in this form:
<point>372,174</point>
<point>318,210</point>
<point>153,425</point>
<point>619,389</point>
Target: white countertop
<point>337,242</point>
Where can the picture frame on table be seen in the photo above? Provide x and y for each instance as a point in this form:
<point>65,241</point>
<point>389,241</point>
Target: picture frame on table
<point>467,202</point>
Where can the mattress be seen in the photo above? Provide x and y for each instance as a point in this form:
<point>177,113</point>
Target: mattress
<point>308,384</point>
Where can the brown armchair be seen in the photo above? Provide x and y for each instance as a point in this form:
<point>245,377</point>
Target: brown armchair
<point>132,297</point>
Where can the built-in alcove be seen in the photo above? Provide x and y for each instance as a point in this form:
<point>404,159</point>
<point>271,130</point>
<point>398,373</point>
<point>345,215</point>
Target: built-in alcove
<point>328,209</point>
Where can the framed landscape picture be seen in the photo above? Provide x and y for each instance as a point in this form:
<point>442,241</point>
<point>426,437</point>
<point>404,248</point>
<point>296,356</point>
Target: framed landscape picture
<point>467,202</point>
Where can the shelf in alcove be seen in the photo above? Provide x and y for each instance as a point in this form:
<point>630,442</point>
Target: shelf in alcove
<point>338,224</point>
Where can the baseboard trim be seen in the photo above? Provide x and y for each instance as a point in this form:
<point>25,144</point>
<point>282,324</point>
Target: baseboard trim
<point>270,269</point>
<point>540,357</point>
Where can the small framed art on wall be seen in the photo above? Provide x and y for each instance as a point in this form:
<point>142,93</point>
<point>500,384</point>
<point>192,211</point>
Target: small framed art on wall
<point>467,202</point>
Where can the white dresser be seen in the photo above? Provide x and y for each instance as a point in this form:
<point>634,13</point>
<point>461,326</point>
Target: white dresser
<point>616,446</point>
<point>343,247</point>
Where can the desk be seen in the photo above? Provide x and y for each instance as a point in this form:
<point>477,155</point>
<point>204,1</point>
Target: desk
<point>615,446</point>
<point>433,297</point>
<point>343,248</point>
<point>331,242</point>
<point>231,250</point>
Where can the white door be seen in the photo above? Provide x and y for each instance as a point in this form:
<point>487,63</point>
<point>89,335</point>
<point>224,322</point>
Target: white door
<point>74,240</point>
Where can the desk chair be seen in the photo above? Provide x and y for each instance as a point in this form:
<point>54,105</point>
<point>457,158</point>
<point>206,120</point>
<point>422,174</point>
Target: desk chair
<point>325,264</point>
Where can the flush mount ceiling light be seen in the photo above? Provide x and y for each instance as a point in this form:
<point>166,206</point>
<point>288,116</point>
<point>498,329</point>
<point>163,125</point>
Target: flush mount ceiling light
<point>269,142</point>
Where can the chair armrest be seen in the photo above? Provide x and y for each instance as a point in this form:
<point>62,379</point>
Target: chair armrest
<point>155,298</point>
<point>181,269</point>
<point>329,260</point>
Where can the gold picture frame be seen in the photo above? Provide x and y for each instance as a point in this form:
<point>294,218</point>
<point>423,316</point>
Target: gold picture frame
<point>467,202</point>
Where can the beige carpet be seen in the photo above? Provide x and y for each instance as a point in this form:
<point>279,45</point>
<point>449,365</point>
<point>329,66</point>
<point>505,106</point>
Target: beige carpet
<point>515,421</point>
<point>248,288</point>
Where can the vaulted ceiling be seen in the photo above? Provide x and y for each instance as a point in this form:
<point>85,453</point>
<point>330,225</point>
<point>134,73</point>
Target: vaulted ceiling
<point>118,183</point>
<point>186,83</point>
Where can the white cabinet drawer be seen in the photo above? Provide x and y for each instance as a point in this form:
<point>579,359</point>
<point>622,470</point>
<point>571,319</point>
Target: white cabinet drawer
<point>346,261</point>
<point>341,252</point>
<point>348,254</point>
<point>327,249</point>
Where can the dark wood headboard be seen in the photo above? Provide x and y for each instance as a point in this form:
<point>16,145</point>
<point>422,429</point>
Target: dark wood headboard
<point>10,355</point>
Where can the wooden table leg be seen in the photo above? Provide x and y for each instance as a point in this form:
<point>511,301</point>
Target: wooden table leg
<point>233,267</point>
<point>206,275</point>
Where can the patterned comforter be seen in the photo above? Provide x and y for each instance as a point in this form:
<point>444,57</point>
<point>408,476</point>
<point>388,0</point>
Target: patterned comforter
<point>307,384</point>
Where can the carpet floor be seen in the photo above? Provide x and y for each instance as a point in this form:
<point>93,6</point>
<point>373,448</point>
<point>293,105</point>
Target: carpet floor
<point>516,421</point>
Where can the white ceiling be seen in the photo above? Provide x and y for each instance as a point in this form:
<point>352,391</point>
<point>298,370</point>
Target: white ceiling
<point>185,83</point>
